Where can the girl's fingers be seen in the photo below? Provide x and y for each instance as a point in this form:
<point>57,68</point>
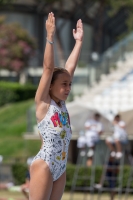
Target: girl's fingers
<point>53,20</point>
<point>79,24</point>
<point>49,16</point>
<point>50,19</point>
<point>74,31</point>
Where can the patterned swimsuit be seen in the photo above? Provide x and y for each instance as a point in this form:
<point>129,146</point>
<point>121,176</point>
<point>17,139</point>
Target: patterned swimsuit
<point>56,134</point>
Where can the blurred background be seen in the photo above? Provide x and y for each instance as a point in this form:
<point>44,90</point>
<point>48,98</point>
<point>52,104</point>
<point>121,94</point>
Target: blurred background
<point>103,80</point>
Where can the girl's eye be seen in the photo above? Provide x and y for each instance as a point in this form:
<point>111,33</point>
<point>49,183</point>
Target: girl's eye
<point>65,84</point>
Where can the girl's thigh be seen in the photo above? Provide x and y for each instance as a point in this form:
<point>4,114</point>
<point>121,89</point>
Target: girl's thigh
<point>58,187</point>
<point>41,181</point>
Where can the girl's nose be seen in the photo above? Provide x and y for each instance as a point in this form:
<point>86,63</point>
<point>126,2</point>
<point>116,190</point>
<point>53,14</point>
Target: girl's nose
<point>68,88</point>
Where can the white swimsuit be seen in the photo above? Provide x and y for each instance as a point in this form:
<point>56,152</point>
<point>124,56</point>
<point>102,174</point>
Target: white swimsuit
<point>56,134</point>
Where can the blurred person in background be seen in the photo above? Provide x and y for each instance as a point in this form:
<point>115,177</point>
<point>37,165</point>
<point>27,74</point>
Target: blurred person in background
<point>93,130</point>
<point>118,138</point>
<point>25,186</point>
<point>81,143</point>
<point>6,186</point>
<point>110,176</point>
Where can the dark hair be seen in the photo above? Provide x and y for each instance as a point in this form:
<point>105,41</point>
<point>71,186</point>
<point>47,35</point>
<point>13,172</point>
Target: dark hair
<point>117,117</point>
<point>57,71</point>
<point>97,115</point>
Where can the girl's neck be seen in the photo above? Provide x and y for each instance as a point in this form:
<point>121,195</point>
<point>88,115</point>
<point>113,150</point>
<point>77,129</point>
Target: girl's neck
<point>57,101</point>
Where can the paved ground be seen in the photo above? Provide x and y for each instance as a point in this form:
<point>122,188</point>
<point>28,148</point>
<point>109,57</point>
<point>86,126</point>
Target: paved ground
<point>5,195</point>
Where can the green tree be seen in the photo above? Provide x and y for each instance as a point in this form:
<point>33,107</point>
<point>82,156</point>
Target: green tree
<point>128,6</point>
<point>92,12</point>
<point>113,8</point>
<point>16,47</point>
<point>4,2</point>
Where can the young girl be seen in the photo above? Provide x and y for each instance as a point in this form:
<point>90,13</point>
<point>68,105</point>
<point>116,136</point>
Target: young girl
<point>48,169</point>
<point>119,137</point>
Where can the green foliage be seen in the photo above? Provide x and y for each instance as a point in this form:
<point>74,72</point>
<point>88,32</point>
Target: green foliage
<point>16,46</point>
<point>20,169</point>
<point>82,172</point>
<point>13,92</point>
<point>98,172</point>
<point>117,5</point>
<point>46,1</point>
<point>13,124</point>
<point>4,2</point>
<point>114,67</point>
<point>82,64</point>
<point>2,19</point>
<point>114,7</point>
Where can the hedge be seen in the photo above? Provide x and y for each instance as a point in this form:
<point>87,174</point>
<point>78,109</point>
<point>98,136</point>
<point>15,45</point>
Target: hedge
<point>19,171</point>
<point>13,92</point>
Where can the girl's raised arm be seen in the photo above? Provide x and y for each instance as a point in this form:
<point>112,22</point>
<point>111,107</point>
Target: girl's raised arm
<point>42,94</point>
<point>74,56</point>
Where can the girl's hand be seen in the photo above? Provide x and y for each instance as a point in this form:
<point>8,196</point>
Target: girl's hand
<point>78,33</point>
<point>50,26</point>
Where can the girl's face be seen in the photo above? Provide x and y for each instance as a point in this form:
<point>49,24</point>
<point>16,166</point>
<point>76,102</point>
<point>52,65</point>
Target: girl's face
<point>61,87</point>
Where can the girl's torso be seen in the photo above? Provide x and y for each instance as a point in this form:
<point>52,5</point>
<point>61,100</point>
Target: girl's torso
<point>55,131</point>
<point>55,126</point>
